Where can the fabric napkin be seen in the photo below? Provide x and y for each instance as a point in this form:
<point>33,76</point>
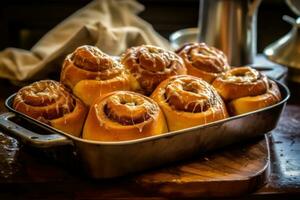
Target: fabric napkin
<point>111,25</point>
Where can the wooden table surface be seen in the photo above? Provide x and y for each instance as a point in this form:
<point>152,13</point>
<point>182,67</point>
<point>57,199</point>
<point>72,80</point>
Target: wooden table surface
<point>27,173</point>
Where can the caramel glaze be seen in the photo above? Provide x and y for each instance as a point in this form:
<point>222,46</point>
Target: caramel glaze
<point>203,61</point>
<point>123,115</point>
<point>128,109</point>
<point>190,94</point>
<point>44,100</point>
<point>241,82</point>
<point>150,65</point>
<point>49,102</point>
<point>91,64</point>
<point>90,73</point>
<point>245,89</point>
<point>188,101</point>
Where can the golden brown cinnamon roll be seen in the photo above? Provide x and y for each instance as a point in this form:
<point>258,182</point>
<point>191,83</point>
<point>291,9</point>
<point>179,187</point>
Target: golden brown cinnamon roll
<point>246,89</point>
<point>49,102</point>
<point>203,61</point>
<point>91,73</point>
<point>188,101</point>
<point>149,65</point>
<point>123,115</point>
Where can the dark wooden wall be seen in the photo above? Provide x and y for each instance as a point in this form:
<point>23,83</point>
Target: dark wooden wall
<point>23,22</point>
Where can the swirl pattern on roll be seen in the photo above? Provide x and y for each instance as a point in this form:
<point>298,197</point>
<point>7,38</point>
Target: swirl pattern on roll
<point>149,65</point>
<point>91,73</point>
<point>123,115</point>
<point>49,102</point>
<point>203,61</point>
<point>240,82</point>
<point>246,89</point>
<point>188,101</point>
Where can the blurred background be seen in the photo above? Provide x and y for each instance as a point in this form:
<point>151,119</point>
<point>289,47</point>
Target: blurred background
<point>23,23</point>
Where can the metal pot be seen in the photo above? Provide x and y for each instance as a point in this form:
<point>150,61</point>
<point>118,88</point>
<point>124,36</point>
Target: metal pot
<point>230,25</point>
<point>286,50</point>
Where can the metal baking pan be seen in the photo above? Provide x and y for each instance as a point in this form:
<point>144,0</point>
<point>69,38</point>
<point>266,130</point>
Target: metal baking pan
<point>113,159</point>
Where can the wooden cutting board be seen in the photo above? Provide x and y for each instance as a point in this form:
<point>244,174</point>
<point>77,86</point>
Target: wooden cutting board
<point>231,171</point>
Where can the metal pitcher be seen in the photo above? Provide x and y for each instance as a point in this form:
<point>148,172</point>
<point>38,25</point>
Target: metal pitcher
<point>230,25</point>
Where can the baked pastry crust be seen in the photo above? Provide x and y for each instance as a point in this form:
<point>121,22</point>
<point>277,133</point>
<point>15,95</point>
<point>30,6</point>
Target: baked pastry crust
<point>246,89</point>
<point>150,65</point>
<point>123,115</point>
<point>90,73</point>
<point>49,102</point>
<point>188,101</point>
<point>203,61</point>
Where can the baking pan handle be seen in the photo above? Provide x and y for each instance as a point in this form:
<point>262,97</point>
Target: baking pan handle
<point>29,137</point>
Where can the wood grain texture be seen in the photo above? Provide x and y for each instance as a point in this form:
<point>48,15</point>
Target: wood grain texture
<point>230,172</point>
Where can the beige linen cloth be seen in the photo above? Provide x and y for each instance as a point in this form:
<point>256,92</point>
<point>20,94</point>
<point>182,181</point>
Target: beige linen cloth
<point>111,25</point>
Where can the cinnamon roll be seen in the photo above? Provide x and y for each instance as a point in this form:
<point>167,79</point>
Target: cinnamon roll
<point>203,61</point>
<point>188,101</point>
<point>49,102</point>
<point>246,89</point>
<point>91,73</point>
<point>149,65</point>
<point>123,115</point>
